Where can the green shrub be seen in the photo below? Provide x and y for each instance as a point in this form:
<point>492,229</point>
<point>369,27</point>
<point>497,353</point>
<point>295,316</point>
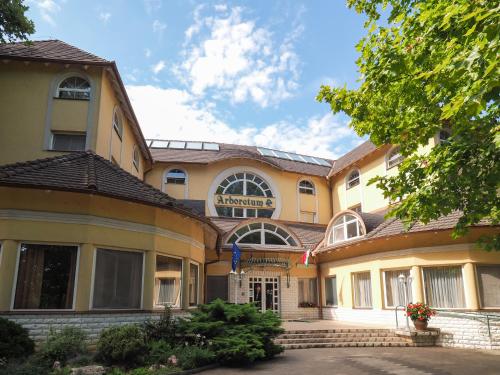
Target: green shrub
<point>237,334</point>
<point>190,357</point>
<point>26,368</point>
<point>62,346</point>
<point>159,352</point>
<point>164,329</point>
<point>14,340</point>
<point>122,345</point>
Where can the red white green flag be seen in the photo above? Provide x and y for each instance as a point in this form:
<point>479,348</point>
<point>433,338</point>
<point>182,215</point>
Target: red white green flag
<point>305,257</point>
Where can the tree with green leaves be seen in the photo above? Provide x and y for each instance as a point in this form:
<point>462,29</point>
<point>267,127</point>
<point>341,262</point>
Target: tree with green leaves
<point>14,25</point>
<point>427,65</point>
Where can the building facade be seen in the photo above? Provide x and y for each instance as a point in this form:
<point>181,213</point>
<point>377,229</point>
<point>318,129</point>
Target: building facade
<point>100,226</point>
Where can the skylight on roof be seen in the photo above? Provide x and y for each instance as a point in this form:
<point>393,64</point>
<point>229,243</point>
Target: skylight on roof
<point>159,144</point>
<point>177,145</point>
<point>293,156</point>
<point>194,145</point>
<point>211,146</point>
<point>181,145</point>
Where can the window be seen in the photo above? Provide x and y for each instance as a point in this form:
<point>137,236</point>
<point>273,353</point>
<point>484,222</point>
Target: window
<point>117,279</point>
<point>346,227</point>
<point>262,234</point>
<point>74,88</point>
<point>362,287</point>
<point>352,179</point>
<point>306,187</point>
<point>117,123</point>
<point>135,158</point>
<point>444,287</point>
<point>248,184</point>
<point>307,217</point>
<point>168,279</point>
<point>308,292</point>
<point>193,284</point>
<point>176,176</point>
<point>331,291</point>
<point>68,141</point>
<point>45,277</point>
<point>444,134</point>
<point>489,285</point>
<point>394,158</point>
<point>394,289</point>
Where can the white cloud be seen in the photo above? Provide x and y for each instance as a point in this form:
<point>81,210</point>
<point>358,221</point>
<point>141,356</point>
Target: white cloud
<point>177,114</point>
<point>159,27</point>
<point>147,53</point>
<point>152,5</point>
<point>47,8</point>
<point>158,67</point>
<point>239,59</point>
<point>104,16</point>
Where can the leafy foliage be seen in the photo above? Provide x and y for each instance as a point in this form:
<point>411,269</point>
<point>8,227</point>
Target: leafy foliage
<point>432,64</point>
<point>122,345</point>
<point>13,22</point>
<point>166,328</point>
<point>14,340</point>
<point>238,334</point>
<point>62,346</point>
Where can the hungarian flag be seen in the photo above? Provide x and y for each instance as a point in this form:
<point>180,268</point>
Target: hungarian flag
<point>305,257</point>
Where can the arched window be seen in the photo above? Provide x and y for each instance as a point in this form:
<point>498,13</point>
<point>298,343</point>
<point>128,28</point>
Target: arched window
<point>262,234</point>
<point>346,227</point>
<point>117,122</point>
<point>394,158</point>
<point>444,134</point>
<point>135,157</point>
<point>352,179</point>
<point>74,88</point>
<point>244,184</point>
<point>306,187</point>
<point>176,176</point>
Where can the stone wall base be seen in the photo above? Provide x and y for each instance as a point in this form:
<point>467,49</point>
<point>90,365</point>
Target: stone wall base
<point>457,332</point>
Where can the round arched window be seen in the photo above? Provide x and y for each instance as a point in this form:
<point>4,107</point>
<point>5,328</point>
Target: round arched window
<point>346,227</point>
<point>306,187</point>
<point>262,234</point>
<point>244,194</point>
<point>117,123</point>
<point>74,88</point>
<point>176,176</point>
<point>394,158</point>
<point>352,179</point>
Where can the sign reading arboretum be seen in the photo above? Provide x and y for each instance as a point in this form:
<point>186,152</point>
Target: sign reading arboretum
<point>244,201</point>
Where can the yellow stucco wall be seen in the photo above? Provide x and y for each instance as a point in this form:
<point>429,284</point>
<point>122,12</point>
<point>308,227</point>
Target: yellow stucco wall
<point>92,222</point>
<point>410,259</point>
<point>200,178</point>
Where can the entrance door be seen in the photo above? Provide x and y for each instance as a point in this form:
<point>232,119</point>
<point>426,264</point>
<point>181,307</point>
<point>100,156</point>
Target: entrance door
<point>264,292</point>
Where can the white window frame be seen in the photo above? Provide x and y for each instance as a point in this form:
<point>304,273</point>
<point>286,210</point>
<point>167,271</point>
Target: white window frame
<point>54,133</point>
<point>350,179</point>
<point>308,279</point>
<point>335,296</point>
<point>59,89</point>
<point>331,233</point>
<point>308,190</point>
<point>181,299</point>
<point>118,124</point>
<point>197,287</point>
<point>16,272</point>
<point>262,231</point>
<point>354,290</point>
<point>91,302</point>
<point>384,284</point>
<point>478,285</point>
<point>391,159</point>
<point>461,265</point>
<point>136,157</point>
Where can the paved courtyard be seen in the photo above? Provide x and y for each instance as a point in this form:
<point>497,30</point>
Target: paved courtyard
<point>376,361</point>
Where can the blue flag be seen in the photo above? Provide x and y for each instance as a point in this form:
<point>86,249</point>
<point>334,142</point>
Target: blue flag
<point>236,257</point>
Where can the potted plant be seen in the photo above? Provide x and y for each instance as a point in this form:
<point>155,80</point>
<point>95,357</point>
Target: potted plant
<point>419,313</point>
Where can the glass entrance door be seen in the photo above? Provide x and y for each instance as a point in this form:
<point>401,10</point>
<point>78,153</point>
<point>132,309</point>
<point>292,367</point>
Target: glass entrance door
<point>264,292</point>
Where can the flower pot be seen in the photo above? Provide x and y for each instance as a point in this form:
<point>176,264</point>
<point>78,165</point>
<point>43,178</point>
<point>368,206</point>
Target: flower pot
<point>420,325</point>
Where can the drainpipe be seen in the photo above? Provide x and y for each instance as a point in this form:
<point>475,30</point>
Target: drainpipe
<point>320,290</point>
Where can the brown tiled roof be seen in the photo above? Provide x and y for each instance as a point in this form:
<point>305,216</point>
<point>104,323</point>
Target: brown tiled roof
<point>308,234</point>
<point>394,226</point>
<point>352,157</point>
<point>86,172</point>
<point>231,151</point>
<point>49,50</point>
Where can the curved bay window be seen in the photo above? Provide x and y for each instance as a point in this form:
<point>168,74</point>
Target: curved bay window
<point>244,194</point>
<point>262,234</point>
<point>76,88</point>
<point>346,227</point>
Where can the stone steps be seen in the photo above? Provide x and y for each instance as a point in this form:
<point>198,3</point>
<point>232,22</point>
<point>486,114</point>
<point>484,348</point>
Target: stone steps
<point>342,338</point>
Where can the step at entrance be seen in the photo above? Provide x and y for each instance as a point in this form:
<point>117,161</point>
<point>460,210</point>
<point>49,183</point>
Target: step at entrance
<point>341,338</point>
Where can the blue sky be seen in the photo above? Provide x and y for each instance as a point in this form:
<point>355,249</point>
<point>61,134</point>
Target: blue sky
<point>240,72</point>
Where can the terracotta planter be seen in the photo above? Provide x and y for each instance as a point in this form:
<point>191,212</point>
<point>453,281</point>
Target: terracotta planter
<point>420,325</point>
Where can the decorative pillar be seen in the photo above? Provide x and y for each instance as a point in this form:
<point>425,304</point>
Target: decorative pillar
<point>148,294</point>
<point>84,283</point>
<point>417,285</point>
<point>8,260</point>
<point>185,283</point>
<point>471,296</point>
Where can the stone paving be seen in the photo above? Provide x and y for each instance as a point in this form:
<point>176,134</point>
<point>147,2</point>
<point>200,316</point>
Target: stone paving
<point>375,361</point>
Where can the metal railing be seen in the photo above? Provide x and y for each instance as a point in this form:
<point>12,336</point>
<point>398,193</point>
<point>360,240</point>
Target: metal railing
<point>396,309</point>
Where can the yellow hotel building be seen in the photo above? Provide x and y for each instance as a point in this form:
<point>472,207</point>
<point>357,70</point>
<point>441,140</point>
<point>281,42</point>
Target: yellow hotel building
<point>99,226</point>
